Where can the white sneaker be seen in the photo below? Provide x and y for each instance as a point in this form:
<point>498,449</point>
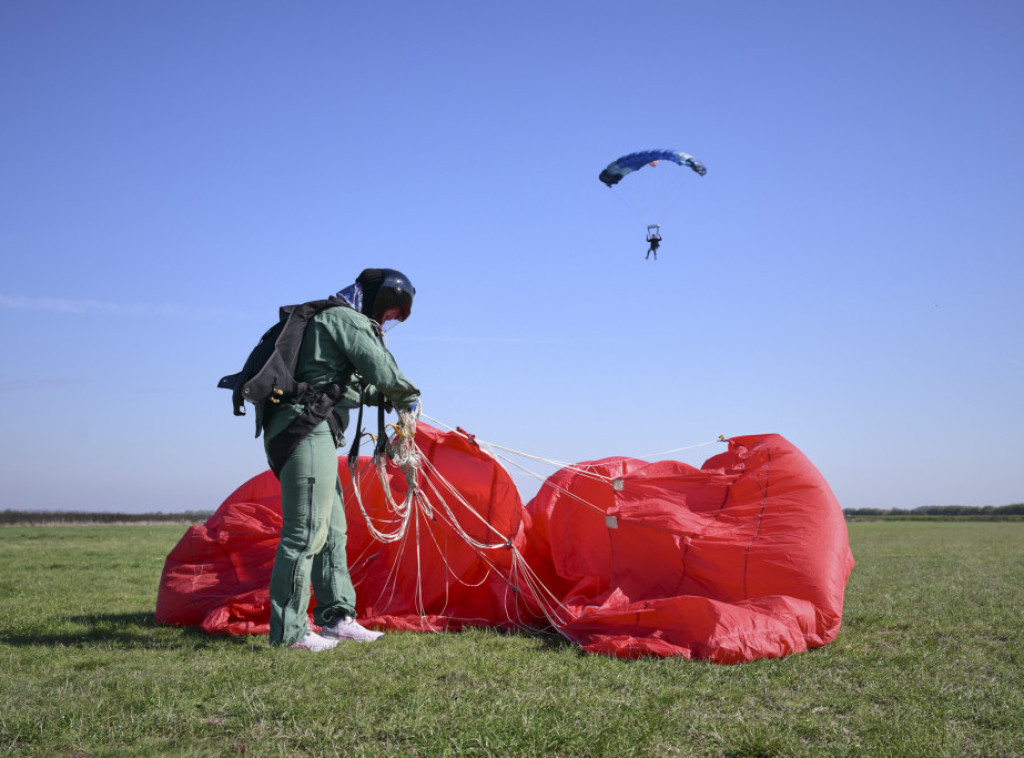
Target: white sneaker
<point>347,628</point>
<point>315,643</point>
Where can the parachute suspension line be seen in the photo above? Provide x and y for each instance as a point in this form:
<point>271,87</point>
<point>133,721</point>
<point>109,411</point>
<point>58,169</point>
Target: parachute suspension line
<point>415,506</point>
<point>479,548</point>
<point>404,450</point>
<point>385,596</point>
<point>562,490</point>
<point>450,489</point>
<point>404,512</point>
<point>355,488</point>
<point>582,471</point>
<point>436,482</point>
<point>545,598</point>
<point>378,533</point>
<point>445,514</point>
<point>553,462</point>
<point>421,606</point>
<point>721,438</point>
<point>554,611</point>
<point>550,607</point>
<point>430,495</point>
<point>632,208</point>
<point>387,592</point>
<point>430,499</point>
<point>476,440</point>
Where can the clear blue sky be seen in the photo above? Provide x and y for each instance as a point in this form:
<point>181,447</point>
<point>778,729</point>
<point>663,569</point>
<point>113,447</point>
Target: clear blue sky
<point>848,274</point>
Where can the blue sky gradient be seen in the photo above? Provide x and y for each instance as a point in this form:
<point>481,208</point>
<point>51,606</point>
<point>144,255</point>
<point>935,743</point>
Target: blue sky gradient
<point>848,273</point>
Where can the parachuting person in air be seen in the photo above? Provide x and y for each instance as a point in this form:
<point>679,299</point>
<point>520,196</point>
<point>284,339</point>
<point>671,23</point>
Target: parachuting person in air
<point>654,238</point>
<point>341,363</point>
<point>618,169</point>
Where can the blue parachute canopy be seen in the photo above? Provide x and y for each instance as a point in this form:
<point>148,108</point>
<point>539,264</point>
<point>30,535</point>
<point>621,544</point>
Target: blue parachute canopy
<point>627,164</point>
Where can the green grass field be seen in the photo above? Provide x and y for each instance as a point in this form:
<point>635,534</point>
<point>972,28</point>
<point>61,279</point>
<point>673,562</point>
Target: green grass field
<point>930,662</point>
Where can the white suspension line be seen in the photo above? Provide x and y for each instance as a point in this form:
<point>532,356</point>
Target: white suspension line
<point>473,438</point>
<point>548,604</point>
<point>435,474</point>
<point>582,471</point>
<point>544,598</point>
<point>721,438</point>
<point>417,504</point>
<point>444,558</point>
<point>561,490</point>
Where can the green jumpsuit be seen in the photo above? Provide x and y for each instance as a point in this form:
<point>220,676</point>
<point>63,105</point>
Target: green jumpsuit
<point>313,528</point>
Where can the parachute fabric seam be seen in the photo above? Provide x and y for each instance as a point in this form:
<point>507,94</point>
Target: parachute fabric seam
<point>760,519</point>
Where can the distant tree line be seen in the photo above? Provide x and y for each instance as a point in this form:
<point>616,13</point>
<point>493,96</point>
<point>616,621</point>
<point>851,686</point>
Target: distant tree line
<point>942,512</point>
<point>1012,512</point>
<point>11,517</point>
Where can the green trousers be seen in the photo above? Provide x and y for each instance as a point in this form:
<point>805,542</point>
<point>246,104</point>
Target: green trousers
<point>312,546</point>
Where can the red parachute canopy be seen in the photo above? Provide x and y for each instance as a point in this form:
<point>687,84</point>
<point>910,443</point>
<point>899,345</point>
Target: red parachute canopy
<point>746,557</point>
<point>434,577</point>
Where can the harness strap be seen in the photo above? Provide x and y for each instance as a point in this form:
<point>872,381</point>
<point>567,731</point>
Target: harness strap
<point>318,407</point>
<point>353,452</point>
<point>383,446</point>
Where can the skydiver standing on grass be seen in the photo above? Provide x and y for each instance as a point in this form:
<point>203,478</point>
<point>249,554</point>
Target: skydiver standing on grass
<point>343,346</point>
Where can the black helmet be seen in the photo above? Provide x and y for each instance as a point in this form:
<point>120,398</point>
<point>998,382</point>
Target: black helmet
<point>383,289</point>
